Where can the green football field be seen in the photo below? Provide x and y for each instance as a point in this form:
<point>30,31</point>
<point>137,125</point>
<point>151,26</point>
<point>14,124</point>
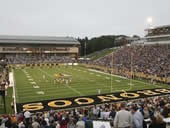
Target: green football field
<point>37,83</point>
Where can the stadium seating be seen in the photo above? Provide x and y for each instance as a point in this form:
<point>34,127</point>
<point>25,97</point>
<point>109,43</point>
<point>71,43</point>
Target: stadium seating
<point>147,59</point>
<point>94,116</point>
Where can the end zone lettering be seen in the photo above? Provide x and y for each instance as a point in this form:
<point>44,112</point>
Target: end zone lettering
<point>90,100</point>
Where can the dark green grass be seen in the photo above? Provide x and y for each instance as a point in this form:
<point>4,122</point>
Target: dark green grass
<point>8,103</point>
<point>99,54</point>
<point>84,82</point>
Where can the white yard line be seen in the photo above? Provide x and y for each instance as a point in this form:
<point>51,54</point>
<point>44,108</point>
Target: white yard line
<point>93,70</point>
<point>66,85</point>
<point>130,86</point>
<point>112,75</point>
<point>122,77</point>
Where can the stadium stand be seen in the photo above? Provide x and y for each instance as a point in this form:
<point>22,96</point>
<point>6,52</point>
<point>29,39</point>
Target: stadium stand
<point>38,49</point>
<point>150,61</point>
<point>101,116</point>
<point>4,83</point>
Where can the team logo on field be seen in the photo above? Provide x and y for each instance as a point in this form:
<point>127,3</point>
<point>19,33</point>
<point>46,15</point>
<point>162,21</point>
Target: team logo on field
<point>64,103</point>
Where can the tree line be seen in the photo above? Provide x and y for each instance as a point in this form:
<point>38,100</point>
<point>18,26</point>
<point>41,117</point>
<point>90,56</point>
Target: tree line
<point>88,46</point>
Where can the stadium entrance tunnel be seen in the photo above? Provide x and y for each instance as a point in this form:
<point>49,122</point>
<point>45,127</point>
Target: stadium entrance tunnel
<point>73,102</point>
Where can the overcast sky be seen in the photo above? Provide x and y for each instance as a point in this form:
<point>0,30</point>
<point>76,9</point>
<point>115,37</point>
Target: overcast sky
<point>80,18</point>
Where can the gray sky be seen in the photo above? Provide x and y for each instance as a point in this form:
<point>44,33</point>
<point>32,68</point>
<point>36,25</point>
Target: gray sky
<point>80,18</point>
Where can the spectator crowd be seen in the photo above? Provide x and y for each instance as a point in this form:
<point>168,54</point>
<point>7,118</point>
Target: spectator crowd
<point>130,114</point>
<point>148,59</point>
<point>36,58</point>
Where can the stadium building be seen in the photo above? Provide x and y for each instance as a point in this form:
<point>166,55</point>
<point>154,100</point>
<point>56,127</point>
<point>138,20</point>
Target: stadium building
<point>155,35</point>
<point>159,34</point>
<point>38,49</point>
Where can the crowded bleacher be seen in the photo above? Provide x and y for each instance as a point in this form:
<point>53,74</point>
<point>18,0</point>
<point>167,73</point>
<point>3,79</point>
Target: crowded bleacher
<point>147,59</point>
<point>157,108</point>
<point>37,58</point>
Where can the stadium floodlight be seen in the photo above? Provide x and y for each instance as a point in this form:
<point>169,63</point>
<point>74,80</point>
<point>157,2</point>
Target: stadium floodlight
<point>149,21</point>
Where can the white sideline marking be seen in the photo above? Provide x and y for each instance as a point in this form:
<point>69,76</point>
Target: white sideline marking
<point>123,77</point>
<point>36,86</point>
<point>66,85</point>
<point>40,92</point>
<point>30,79</point>
<point>24,71</point>
<point>98,75</point>
<point>14,93</point>
<point>11,79</point>
<point>33,82</point>
<point>107,73</point>
<point>28,76</point>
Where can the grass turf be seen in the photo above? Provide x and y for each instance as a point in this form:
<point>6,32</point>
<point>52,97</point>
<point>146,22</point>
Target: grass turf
<point>84,82</point>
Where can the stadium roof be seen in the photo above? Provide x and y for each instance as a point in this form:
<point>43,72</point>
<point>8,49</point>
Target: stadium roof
<point>157,36</point>
<point>37,40</point>
<point>158,27</point>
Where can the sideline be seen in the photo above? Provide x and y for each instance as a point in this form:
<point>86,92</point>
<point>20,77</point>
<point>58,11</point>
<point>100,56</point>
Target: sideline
<point>107,73</point>
<point>14,93</point>
<point>124,78</point>
<point>11,79</point>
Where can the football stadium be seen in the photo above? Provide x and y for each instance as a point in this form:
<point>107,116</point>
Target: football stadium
<point>45,75</point>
